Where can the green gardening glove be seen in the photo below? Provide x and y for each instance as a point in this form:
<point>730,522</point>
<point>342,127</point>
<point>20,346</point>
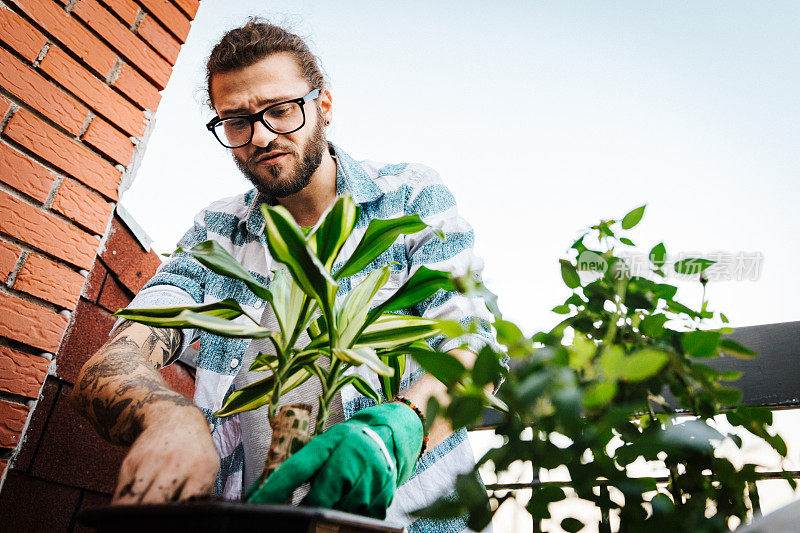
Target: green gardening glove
<point>355,466</point>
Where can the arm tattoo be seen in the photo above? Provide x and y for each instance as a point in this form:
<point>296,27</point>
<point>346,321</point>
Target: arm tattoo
<point>114,390</point>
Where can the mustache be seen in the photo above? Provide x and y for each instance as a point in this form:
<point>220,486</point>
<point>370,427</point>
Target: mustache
<point>267,149</point>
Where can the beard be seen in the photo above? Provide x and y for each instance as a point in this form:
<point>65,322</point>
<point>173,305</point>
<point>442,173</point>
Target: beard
<point>282,182</point>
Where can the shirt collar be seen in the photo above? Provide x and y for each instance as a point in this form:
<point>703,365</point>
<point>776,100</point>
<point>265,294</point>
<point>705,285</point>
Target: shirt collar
<point>350,177</point>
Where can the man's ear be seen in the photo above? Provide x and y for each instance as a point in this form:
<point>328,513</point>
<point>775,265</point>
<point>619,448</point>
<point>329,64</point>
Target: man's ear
<point>326,105</point>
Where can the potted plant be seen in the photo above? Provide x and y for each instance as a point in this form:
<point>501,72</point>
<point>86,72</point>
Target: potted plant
<point>347,330</point>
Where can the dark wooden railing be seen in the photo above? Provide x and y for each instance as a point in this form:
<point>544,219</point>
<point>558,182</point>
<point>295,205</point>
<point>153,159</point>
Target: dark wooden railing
<point>771,380</point>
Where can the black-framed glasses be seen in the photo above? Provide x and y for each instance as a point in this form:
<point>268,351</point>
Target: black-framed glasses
<point>283,117</point>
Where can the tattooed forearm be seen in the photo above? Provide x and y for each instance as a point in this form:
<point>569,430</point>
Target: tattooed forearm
<point>160,345</point>
<point>118,384</point>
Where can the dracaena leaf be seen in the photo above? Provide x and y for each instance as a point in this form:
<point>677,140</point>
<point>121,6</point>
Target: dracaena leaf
<point>289,303</point>
<point>334,228</point>
<point>361,385</point>
<point>419,287</point>
<point>227,309</point>
<point>296,378</point>
<point>316,327</point>
<point>394,330</point>
<point>248,398</point>
<point>212,255</point>
<point>210,323</point>
<point>353,312</point>
<point>269,361</point>
<point>363,355</point>
<point>287,245</point>
<point>379,236</point>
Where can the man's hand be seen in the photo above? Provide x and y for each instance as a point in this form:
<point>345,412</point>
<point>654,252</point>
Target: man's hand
<point>355,466</point>
<point>120,391</point>
<point>173,459</point>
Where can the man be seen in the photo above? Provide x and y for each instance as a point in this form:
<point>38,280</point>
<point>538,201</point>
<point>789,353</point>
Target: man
<point>272,106</point>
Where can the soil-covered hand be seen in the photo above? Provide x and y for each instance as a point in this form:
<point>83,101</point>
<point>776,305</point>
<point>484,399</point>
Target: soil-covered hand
<point>355,466</point>
<point>173,459</point>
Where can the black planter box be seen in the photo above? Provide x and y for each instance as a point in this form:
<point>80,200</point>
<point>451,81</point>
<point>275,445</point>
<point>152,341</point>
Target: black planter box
<point>225,516</point>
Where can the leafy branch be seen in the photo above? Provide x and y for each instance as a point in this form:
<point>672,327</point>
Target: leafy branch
<point>612,384</point>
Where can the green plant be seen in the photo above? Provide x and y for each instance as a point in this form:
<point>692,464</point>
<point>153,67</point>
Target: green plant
<point>594,391</point>
<point>346,329</point>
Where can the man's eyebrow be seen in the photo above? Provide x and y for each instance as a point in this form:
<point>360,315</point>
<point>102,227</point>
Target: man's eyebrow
<point>261,105</point>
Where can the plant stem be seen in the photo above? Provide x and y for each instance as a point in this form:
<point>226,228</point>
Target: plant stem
<point>298,328</point>
<point>622,287</point>
<point>328,388</point>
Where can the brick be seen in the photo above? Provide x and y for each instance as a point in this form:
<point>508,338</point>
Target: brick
<point>179,379</point>
<point>12,421</point>
<point>71,452</point>
<point>92,91</point>
<point>124,41</point>
<point>18,33</point>
<point>22,373</point>
<point>124,256</point>
<point>41,412</point>
<point>94,283</point>
<point>45,232</point>
<point>8,259</point>
<point>189,7</point>
<point>27,85</point>
<point>170,16</point>
<point>30,324</point>
<point>24,174</point>
<point>79,203</point>
<point>50,281</point>
<point>137,88</point>
<point>88,332</point>
<point>19,498</point>
<point>105,138</point>
<point>125,9</point>
<point>71,33</point>
<point>64,153</point>
<point>114,295</point>
<point>164,43</point>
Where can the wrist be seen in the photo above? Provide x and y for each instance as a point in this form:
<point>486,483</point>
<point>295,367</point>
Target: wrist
<point>171,411</point>
<point>408,403</point>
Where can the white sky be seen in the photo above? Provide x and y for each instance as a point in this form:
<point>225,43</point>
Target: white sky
<point>542,118</point>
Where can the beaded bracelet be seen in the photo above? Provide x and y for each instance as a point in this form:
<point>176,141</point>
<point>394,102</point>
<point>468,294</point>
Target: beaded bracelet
<point>425,437</point>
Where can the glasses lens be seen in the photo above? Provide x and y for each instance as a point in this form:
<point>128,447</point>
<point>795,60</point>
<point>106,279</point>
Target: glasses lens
<point>285,117</point>
<point>234,132</point>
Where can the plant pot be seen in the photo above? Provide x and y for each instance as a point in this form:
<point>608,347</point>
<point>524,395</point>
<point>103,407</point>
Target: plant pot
<point>202,516</point>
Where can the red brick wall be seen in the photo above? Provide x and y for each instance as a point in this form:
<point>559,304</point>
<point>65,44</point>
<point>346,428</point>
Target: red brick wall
<point>78,81</point>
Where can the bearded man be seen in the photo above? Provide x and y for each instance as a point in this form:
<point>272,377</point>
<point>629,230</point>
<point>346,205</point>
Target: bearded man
<point>273,104</point>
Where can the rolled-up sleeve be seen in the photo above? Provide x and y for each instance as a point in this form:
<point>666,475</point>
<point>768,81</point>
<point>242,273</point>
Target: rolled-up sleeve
<point>179,281</point>
<point>430,198</point>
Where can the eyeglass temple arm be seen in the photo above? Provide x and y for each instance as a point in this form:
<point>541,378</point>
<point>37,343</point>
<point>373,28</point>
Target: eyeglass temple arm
<point>310,96</point>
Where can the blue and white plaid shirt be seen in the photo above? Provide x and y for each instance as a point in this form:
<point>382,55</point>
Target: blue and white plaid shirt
<point>383,191</point>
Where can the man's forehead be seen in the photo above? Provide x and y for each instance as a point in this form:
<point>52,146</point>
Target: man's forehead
<point>272,79</point>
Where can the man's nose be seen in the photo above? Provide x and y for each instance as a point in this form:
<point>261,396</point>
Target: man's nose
<point>261,135</point>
